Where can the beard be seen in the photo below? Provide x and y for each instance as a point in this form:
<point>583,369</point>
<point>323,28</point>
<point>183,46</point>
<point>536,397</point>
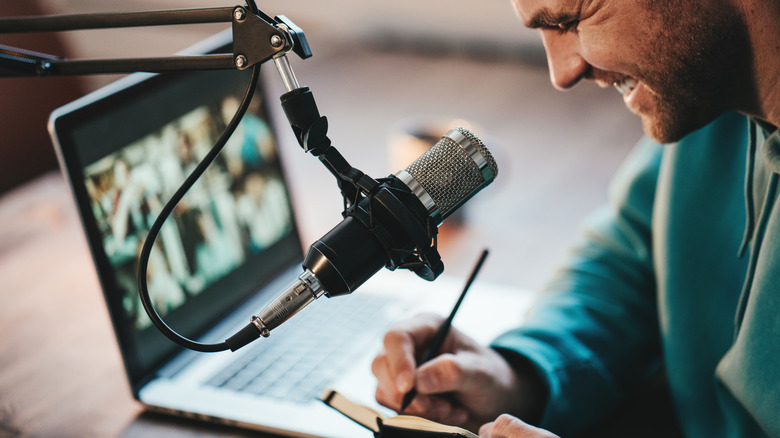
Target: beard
<point>698,58</point>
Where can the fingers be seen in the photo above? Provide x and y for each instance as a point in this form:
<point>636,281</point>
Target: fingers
<point>402,344</point>
<point>396,364</point>
<point>441,374</point>
<point>468,372</point>
<point>507,426</point>
<point>400,359</point>
<point>438,408</point>
<point>387,393</point>
<point>439,382</point>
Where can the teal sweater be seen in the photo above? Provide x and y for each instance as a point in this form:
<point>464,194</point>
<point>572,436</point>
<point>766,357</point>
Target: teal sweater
<point>683,268</point>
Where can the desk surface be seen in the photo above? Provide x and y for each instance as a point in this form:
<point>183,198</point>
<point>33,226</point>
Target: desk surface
<point>61,370</point>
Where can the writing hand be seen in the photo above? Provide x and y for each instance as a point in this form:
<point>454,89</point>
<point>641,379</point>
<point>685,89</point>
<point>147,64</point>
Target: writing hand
<point>467,385</point>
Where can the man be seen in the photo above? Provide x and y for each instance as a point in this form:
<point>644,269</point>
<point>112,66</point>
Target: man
<point>683,269</point>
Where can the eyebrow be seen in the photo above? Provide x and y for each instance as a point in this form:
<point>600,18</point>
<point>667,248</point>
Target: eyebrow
<point>545,18</point>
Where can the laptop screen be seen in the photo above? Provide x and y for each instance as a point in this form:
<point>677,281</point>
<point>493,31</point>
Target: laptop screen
<point>127,152</point>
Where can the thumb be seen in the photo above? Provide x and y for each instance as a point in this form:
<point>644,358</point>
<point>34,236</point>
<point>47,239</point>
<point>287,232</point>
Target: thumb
<point>507,426</point>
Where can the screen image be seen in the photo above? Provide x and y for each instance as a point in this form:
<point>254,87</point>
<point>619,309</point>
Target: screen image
<point>239,206</point>
<point>127,152</point>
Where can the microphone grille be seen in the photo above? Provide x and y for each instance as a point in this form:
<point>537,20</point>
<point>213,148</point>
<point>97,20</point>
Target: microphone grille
<point>452,171</point>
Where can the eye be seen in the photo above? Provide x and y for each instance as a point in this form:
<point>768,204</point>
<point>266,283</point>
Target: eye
<point>567,26</point>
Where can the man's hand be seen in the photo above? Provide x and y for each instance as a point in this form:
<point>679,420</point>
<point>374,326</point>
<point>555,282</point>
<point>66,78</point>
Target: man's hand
<point>466,385</point>
<point>507,426</point>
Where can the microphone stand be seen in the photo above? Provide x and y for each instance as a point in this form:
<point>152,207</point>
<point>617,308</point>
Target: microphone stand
<point>257,38</point>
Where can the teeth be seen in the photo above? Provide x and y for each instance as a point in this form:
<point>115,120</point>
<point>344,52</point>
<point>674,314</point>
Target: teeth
<point>625,86</point>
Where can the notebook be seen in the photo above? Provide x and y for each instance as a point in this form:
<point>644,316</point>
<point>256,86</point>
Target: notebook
<point>230,247</point>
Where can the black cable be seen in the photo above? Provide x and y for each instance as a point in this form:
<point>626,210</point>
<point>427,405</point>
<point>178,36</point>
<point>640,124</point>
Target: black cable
<point>143,258</point>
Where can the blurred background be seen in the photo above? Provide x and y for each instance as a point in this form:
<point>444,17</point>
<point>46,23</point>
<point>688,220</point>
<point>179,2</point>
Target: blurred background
<point>377,68</point>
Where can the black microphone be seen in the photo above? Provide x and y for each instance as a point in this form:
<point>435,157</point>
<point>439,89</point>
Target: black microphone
<point>392,227</point>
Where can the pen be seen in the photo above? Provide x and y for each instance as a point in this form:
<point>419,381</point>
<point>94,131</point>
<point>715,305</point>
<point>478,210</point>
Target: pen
<point>441,334</point>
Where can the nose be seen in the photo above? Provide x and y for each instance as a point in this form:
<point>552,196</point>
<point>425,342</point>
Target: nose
<point>567,67</point>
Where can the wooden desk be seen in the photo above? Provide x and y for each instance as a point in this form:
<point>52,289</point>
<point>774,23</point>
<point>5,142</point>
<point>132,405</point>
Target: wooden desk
<point>60,370</point>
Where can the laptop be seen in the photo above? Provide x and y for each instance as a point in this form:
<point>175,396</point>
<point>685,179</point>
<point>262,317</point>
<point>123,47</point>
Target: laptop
<point>230,247</point>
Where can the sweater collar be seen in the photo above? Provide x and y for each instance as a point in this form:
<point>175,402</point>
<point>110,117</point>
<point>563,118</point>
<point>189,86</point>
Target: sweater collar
<point>771,146</point>
<point>763,150</point>
<point>772,151</point>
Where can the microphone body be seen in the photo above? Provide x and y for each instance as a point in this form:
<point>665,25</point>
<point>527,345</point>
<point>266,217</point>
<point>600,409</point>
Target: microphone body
<point>384,229</point>
<point>390,228</point>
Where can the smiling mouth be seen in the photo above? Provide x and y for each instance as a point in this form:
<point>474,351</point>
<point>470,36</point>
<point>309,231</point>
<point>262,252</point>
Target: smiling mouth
<point>625,86</point>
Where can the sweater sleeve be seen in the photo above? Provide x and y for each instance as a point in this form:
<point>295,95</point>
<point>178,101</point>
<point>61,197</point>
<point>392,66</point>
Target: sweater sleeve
<point>594,329</point>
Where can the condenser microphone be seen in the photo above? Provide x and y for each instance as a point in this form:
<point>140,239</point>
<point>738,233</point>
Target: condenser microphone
<point>394,223</point>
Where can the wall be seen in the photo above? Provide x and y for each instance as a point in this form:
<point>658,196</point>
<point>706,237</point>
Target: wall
<point>487,29</point>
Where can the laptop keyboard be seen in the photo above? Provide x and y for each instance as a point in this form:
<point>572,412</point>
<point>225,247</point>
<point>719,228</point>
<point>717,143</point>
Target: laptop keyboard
<point>306,354</point>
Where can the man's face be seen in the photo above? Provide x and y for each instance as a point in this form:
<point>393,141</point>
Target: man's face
<point>676,62</point>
